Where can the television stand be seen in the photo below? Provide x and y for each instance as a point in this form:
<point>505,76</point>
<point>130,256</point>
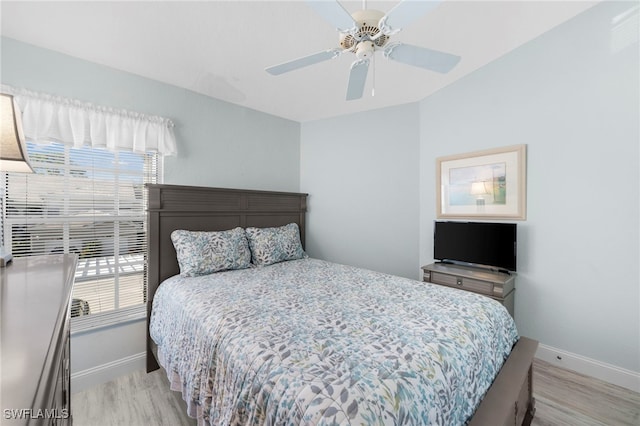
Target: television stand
<point>496,285</point>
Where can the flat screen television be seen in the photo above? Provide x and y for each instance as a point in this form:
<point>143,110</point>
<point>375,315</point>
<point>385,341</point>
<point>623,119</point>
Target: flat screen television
<point>485,244</point>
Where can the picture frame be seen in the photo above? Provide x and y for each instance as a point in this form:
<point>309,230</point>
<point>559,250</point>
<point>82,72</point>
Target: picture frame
<point>489,184</point>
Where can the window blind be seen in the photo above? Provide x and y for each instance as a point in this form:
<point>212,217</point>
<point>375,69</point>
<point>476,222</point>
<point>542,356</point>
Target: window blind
<point>88,201</point>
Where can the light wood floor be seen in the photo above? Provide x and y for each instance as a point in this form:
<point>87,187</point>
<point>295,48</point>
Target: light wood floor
<point>562,398</point>
<point>567,398</point>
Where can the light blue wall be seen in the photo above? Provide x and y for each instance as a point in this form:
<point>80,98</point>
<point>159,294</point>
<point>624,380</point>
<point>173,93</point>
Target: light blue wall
<point>361,172</point>
<point>219,143</point>
<point>575,103</point>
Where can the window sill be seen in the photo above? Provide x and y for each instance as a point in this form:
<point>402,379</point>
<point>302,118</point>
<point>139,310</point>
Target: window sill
<point>93,322</point>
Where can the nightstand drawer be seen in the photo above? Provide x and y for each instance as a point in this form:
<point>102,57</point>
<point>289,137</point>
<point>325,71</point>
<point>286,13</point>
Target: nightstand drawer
<point>469,284</point>
<point>497,285</point>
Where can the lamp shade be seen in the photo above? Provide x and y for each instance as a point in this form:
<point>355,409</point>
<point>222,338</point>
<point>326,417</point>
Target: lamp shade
<point>13,152</point>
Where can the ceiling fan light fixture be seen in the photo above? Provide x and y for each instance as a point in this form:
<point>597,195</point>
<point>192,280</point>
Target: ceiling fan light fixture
<point>365,50</point>
<point>366,29</point>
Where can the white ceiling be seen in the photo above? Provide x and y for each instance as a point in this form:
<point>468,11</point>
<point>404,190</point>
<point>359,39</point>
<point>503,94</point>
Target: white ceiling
<point>221,48</point>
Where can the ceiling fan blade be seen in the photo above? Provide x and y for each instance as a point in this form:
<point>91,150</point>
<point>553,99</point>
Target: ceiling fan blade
<point>405,12</point>
<point>335,14</point>
<point>357,79</point>
<point>422,57</point>
<point>304,61</point>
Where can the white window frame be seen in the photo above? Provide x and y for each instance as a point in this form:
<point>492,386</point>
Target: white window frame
<point>100,319</point>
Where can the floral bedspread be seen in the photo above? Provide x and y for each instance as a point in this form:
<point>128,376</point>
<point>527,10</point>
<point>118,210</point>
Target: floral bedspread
<point>308,342</point>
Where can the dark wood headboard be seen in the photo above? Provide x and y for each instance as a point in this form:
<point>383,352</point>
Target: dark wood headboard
<point>194,208</point>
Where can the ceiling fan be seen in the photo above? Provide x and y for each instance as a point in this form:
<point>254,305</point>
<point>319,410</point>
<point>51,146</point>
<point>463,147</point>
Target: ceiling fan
<point>367,31</point>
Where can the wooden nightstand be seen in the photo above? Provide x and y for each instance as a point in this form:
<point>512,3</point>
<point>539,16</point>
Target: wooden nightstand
<point>497,285</point>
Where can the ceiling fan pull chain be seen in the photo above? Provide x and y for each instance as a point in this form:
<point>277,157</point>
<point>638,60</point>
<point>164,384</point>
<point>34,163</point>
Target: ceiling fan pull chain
<point>373,77</point>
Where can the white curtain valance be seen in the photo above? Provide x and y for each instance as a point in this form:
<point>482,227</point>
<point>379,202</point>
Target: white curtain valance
<point>48,117</point>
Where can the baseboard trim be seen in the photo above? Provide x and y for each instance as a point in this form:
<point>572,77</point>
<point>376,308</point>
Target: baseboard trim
<point>107,372</point>
<point>590,367</point>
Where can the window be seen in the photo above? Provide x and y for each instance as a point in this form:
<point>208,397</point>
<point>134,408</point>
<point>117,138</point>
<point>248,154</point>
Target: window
<point>88,201</point>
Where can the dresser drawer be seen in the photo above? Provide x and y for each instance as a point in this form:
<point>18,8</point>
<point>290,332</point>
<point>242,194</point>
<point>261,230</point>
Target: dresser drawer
<point>469,284</point>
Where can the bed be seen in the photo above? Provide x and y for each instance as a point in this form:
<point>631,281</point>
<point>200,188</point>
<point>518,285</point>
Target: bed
<point>279,344</point>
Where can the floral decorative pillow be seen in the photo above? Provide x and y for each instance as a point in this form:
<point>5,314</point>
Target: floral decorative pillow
<point>202,253</point>
<point>273,245</point>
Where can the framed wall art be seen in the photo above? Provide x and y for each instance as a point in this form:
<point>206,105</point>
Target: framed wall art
<point>488,184</point>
